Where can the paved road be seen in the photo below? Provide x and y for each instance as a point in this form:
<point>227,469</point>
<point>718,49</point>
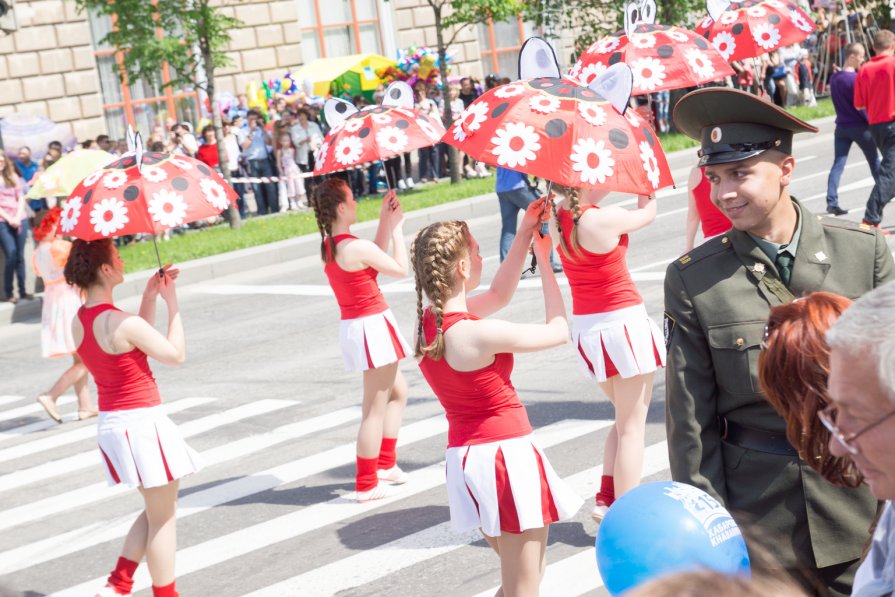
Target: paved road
<point>263,396</point>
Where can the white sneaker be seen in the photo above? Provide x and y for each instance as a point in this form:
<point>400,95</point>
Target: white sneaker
<point>380,492</point>
<point>409,182</point>
<point>482,171</point>
<point>393,475</point>
<point>599,512</point>
<point>109,591</point>
<point>402,185</point>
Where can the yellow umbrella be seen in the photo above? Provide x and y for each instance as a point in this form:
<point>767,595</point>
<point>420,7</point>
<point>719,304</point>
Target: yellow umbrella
<point>345,75</point>
<point>60,179</point>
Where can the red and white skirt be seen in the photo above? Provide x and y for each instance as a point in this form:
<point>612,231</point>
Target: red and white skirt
<point>506,486</point>
<point>371,342</point>
<point>625,342</point>
<point>143,447</point>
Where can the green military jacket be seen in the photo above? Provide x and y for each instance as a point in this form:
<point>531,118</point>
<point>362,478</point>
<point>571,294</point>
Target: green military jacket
<point>716,310</point>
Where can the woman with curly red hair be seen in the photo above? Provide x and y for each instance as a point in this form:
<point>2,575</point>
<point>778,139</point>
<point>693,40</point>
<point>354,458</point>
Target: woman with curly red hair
<point>61,302</point>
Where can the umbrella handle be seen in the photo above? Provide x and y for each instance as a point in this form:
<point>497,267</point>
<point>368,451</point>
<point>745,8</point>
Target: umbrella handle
<point>161,270</point>
<point>533,266</point>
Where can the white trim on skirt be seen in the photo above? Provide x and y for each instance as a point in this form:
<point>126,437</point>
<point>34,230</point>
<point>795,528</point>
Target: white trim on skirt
<point>374,333</point>
<point>629,336</point>
<point>472,482</point>
<point>143,447</point>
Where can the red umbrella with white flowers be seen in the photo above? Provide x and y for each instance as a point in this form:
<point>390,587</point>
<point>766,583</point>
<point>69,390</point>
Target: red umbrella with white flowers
<point>374,134</point>
<point>563,132</point>
<point>750,28</point>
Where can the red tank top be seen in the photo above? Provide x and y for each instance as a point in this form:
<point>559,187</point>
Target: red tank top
<point>357,292</point>
<point>713,221</point>
<point>600,283</point>
<point>482,405</point>
<point>123,381</point>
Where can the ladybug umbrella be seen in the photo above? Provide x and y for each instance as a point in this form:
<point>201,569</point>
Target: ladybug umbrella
<point>374,134</point>
<point>661,57</point>
<point>558,130</point>
<point>143,194</point>
<point>750,28</point>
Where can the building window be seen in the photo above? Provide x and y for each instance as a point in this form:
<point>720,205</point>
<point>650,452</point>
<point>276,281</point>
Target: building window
<point>500,44</point>
<point>142,104</point>
<point>339,28</point>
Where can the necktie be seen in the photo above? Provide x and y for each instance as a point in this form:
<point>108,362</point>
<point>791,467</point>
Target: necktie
<point>784,266</point>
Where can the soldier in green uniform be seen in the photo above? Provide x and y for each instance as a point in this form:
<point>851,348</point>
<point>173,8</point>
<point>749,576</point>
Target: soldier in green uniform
<point>723,436</point>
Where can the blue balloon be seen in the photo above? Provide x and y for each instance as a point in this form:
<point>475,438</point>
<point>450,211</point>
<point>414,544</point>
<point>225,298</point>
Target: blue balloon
<point>665,527</point>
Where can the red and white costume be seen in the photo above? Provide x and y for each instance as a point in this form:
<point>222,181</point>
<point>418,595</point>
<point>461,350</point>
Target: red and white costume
<point>140,445</point>
<point>369,334</point>
<point>611,331</point>
<point>60,302</point>
<point>497,477</point>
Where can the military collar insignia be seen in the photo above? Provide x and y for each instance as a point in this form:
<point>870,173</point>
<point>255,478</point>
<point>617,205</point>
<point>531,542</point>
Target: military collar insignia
<point>758,268</point>
<point>820,256</point>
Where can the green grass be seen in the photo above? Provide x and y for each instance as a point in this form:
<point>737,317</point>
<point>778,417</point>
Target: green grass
<point>258,231</point>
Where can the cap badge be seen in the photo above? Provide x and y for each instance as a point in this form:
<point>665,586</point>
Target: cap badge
<point>716,135</point>
<point>758,268</point>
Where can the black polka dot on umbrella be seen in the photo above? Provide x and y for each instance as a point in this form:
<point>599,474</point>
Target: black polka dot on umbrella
<point>648,135</point>
<point>706,33</point>
<point>128,162</point>
<point>499,109</point>
<point>204,169</point>
<point>180,183</point>
<point>588,94</point>
<point>87,196</point>
<point>774,19</point>
<point>152,158</point>
<point>615,58</point>
<point>618,138</point>
<point>364,132</point>
<point>132,192</point>
<point>543,82</point>
<point>665,51</point>
<point>377,110</point>
<point>737,29</point>
<point>700,43</point>
<point>402,124</point>
<point>556,128</point>
<point>395,93</point>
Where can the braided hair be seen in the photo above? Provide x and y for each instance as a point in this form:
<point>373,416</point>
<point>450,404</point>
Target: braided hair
<point>434,253</point>
<point>325,200</point>
<point>85,259</point>
<point>573,195</point>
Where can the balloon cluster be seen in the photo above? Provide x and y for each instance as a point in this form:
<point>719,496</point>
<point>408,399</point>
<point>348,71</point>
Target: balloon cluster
<point>415,64</point>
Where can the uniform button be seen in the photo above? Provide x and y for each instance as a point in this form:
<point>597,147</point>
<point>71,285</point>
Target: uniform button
<point>725,240</point>
<point>740,342</point>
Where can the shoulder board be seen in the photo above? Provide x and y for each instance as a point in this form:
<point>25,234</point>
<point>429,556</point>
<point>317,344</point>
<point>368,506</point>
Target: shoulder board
<point>846,225</point>
<point>712,247</point>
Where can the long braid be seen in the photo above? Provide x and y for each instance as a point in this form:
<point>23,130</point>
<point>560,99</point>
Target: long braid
<point>435,252</point>
<point>419,341</point>
<point>325,200</point>
<point>574,195</point>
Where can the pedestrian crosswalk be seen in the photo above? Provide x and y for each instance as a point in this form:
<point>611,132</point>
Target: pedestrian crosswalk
<point>227,522</point>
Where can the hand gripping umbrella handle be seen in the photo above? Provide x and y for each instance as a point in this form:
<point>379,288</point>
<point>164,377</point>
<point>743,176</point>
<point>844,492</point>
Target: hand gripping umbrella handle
<point>533,266</point>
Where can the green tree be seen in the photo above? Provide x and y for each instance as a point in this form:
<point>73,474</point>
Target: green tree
<point>452,17</point>
<point>193,42</point>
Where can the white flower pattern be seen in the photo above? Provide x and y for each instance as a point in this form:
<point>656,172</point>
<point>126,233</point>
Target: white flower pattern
<point>591,72</point>
<point>592,113</point>
<point>71,213</point>
<point>471,120</point>
<point>508,90</point>
<point>514,144</point>
<point>353,125</point>
<point>392,138</point>
<point>706,23</point>
<point>592,159</point>
<point>631,117</point>
<point>348,150</point>
<point>643,41</point>
<point>766,35</point>
<point>725,44</point>
<point>93,178</point>
<point>114,179</point>
<point>167,208</point>
<point>604,46</point>
<point>800,21</point>
<point>429,130</point>
<point>382,118</point>
<point>775,4</point>
<point>699,63</point>
<point>756,11</point>
<point>728,18</point>
<point>650,164</point>
<point>154,173</point>
<point>648,72</point>
<point>544,104</point>
<point>109,216</point>
<point>678,36</point>
<point>320,157</point>
<point>214,193</point>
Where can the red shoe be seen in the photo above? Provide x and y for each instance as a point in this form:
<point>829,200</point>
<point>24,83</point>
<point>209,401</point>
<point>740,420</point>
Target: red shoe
<point>883,230</point>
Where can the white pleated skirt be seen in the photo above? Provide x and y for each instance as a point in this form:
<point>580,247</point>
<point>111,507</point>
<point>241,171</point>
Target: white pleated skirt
<point>506,486</point>
<point>625,342</point>
<point>371,342</point>
<point>143,447</point>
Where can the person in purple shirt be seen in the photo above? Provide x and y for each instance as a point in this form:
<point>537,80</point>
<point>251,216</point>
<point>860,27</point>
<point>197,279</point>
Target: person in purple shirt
<point>851,126</point>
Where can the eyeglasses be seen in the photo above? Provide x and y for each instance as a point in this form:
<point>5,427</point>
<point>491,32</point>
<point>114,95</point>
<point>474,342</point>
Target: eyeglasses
<point>827,416</point>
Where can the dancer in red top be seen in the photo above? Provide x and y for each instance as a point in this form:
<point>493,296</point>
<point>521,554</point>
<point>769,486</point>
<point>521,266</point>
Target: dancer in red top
<point>369,336</point>
<point>701,211</point>
<point>498,479</point>
<point>617,343</point>
<point>139,444</point>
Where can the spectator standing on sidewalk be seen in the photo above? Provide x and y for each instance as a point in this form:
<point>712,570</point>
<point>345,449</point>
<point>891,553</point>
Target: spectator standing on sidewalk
<point>874,92</point>
<point>256,143</point>
<point>851,126</point>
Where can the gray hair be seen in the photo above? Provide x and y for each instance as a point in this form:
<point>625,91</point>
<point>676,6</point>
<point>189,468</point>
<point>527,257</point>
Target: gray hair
<point>866,329</point>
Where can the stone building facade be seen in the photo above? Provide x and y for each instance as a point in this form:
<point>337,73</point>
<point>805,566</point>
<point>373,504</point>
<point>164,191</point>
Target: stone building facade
<point>53,65</point>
